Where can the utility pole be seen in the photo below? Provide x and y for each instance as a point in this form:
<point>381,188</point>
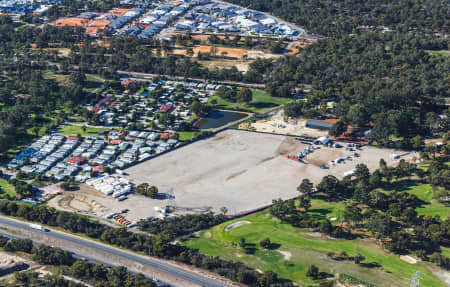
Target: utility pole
<point>170,199</point>
<point>415,279</point>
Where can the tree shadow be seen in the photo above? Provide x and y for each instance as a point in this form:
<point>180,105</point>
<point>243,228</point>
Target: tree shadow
<point>325,275</point>
<point>250,248</point>
<point>399,185</point>
<point>370,264</point>
<point>274,246</point>
<point>163,196</point>
<point>91,84</point>
<point>263,105</point>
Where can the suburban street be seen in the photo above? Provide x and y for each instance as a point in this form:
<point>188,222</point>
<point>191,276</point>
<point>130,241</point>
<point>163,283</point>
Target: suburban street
<point>152,267</point>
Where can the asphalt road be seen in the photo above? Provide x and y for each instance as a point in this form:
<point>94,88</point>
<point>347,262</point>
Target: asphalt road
<point>147,261</point>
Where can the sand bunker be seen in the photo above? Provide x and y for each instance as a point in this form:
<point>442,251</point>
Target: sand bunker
<point>287,255</point>
<point>409,259</point>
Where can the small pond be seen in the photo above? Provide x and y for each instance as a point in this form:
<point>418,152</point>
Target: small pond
<point>218,118</point>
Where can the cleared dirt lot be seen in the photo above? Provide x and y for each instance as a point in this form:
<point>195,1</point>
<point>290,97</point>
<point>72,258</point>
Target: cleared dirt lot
<point>88,201</point>
<point>243,170</point>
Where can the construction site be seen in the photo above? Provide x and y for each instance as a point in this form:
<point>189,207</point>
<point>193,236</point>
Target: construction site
<point>279,124</point>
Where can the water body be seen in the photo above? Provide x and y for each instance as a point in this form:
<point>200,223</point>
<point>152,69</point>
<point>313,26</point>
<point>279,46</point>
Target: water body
<point>218,118</point>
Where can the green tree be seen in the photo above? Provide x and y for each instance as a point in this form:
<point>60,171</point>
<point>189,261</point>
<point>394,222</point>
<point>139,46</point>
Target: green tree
<point>305,202</point>
<point>190,52</point>
<point>352,214</point>
<point>244,95</point>
<point>326,227</point>
<point>362,173</point>
<point>242,242</point>
<point>358,258</point>
<point>313,272</point>
<point>417,142</point>
<point>338,128</point>
<point>358,115</point>
<point>265,243</point>
<point>305,188</point>
<point>153,191</point>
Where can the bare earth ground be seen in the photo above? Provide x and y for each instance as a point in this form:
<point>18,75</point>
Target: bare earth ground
<point>229,52</point>
<point>88,201</point>
<point>242,170</point>
<point>278,125</point>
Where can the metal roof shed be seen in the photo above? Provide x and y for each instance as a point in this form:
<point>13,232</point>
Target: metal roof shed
<point>319,125</point>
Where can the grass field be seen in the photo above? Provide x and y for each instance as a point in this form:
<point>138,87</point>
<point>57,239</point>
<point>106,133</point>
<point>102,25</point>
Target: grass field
<point>185,136</point>
<point>296,250</point>
<point>322,209</point>
<point>425,193</point>
<point>7,188</point>
<point>261,103</point>
<point>76,130</point>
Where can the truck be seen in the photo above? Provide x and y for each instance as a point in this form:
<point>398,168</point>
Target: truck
<point>120,193</point>
<point>109,216</point>
<point>39,227</point>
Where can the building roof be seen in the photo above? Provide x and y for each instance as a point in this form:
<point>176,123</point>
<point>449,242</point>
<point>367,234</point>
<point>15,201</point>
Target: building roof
<point>318,124</point>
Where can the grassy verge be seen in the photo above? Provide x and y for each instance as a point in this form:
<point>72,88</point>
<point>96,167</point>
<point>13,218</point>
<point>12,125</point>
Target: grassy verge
<point>7,188</point>
<point>261,103</point>
<point>296,249</point>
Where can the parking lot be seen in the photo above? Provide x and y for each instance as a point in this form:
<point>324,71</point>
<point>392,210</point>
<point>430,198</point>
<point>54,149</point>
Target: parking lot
<point>244,170</point>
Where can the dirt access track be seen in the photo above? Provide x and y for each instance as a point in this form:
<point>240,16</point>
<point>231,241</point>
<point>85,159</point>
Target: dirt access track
<point>242,170</point>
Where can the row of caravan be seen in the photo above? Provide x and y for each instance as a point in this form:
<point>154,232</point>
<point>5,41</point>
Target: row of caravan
<point>110,185</point>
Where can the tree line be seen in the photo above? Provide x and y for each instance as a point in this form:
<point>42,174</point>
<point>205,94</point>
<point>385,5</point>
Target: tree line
<point>182,225</point>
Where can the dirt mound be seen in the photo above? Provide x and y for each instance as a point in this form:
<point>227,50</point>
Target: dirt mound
<point>289,145</point>
<point>10,264</point>
<point>79,203</point>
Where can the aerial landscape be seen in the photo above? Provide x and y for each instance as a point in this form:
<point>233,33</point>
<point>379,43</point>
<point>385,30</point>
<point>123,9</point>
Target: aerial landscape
<point>224,143</point>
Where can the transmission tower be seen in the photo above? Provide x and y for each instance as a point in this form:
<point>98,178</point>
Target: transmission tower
<point>415,279</point>
<point>171,199</point>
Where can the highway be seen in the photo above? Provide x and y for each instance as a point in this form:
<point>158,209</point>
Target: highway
<point>153,263</point>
